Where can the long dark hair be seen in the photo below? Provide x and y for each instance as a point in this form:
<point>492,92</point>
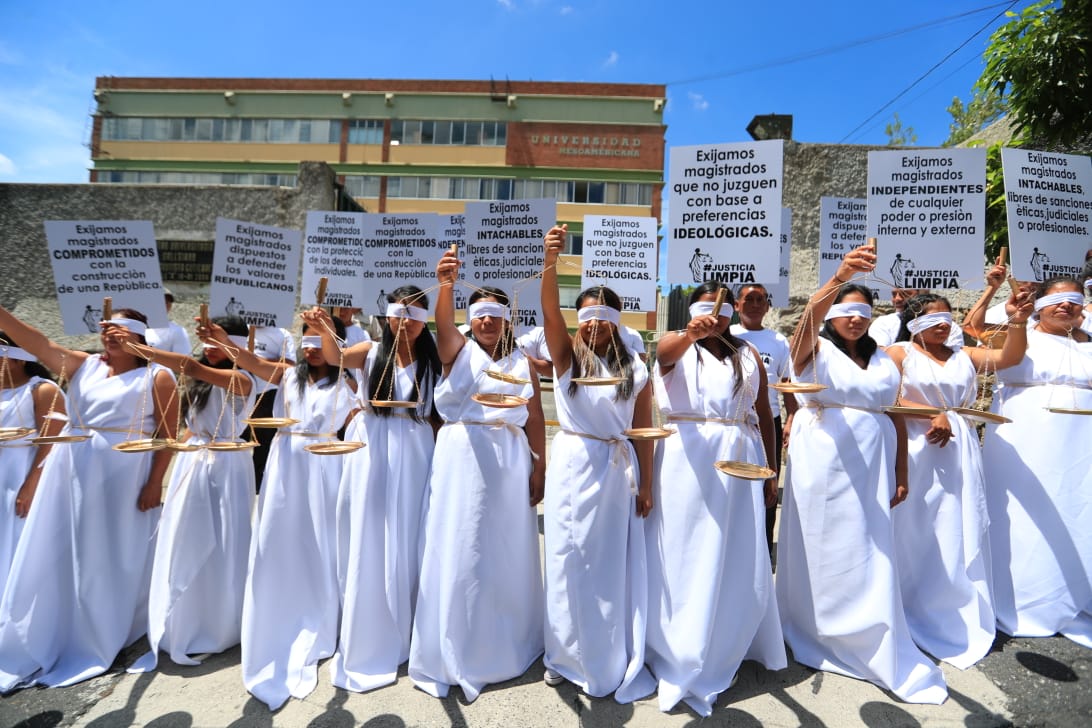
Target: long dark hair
<point>866,345</point>
<point>619,360</point>
<point>132,313</point>
<point>303,369</point>
<point>381,377</point>
<point>507,342</point>
<point>32,368</point>
<point>915,306</point>
<point>727,345</point>
<point>197,391</point>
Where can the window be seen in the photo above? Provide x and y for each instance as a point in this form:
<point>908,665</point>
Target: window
<point>362,186</point>
<point>568,295</point>
<point>472,133</point>
<point>200,178</point>
<point>366,131</point>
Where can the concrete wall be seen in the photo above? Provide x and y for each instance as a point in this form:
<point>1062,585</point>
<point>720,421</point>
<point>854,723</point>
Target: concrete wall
<point>181,212</point>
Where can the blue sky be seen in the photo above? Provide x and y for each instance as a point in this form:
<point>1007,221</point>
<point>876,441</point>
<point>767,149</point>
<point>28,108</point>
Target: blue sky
<point>723,61</point>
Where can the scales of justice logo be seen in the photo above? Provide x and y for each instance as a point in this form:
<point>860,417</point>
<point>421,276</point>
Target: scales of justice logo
<point>91,318</point>
<point>899,270</point>
<point>699,263</point>
<point>1039,262</point>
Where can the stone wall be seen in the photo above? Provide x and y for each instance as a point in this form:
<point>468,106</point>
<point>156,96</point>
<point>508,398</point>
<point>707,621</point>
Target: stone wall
<point>178,212</point>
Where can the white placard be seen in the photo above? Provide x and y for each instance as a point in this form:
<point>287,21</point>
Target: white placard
<point>842,227</point>
<point>453,232</point>
<point>333,248</point>
<point>399,249</point>
<point>927,210</point>
<point>95,259</point>
<point>504,249</point>
<point>254,273</point>
<point>1048,204</point>
<point>620,253</point>
<point>779,291</point>
<point>724,212</point>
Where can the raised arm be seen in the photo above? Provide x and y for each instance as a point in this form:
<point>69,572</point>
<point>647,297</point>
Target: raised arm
<point>318,319</point>
<point>232,380</point>
<point>805,339</point>
<point>1012,351</point>
<point>269,371</point>
<point>53,356</point>
<point>558,341</point>
<point>974,322</point>
<point>449,340</point>
<point>675,343</point>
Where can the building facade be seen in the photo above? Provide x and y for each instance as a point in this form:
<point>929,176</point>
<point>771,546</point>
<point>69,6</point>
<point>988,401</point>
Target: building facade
<point>396,146</point>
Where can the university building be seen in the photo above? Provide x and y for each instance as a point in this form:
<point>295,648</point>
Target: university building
<point>396,146</point>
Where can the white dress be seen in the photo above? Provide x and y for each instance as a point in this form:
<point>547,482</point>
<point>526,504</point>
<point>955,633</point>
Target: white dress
<point>479,605</point>
<point>837,584</point>
<point>196,598</point>
<point>942,529</point>
<point>1039,492</point>
<point>379,512</point>
<point>596,575</point>
<point>78,588</point>
<point>711,593</point>
<point>290,606</point>
<point>16,457</point>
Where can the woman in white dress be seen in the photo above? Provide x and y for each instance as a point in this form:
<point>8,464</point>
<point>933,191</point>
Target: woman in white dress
<point>1039,476</point>
<point>942,530</point>
<point>598,490</point>
<point>479,606</point>
<point>77,593</point>
<point>837,583</point>
<point>381,500</point>
<point>196,599</point>
<point>290,603</point>
<point>30,404</point>
<point>711,590</point>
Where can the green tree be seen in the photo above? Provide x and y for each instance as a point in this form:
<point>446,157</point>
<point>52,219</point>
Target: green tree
<point>898,135</point>
<point>984,108</point>
<point>1038,64</point>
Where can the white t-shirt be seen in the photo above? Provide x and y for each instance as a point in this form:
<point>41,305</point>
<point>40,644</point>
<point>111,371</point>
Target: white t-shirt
<point>171,337</point>
<point>355,334</point>
<point>774,350</point>
<point>885,329</point>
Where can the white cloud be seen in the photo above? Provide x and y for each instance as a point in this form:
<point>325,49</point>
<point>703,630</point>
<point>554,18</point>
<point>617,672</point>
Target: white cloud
<point>506,4</point>
<point>566,9</point>
<point>612,59</point>
<point>7,167</point>
<point>697,101</point>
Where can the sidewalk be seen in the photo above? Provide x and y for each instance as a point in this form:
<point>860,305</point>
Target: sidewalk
<point>212,696</point>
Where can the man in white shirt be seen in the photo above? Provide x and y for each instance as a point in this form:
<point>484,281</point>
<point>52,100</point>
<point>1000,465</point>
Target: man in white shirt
<point>354,332</point>
<point>752,304</point>
<point>885,329</point>
<point>171,337</point>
